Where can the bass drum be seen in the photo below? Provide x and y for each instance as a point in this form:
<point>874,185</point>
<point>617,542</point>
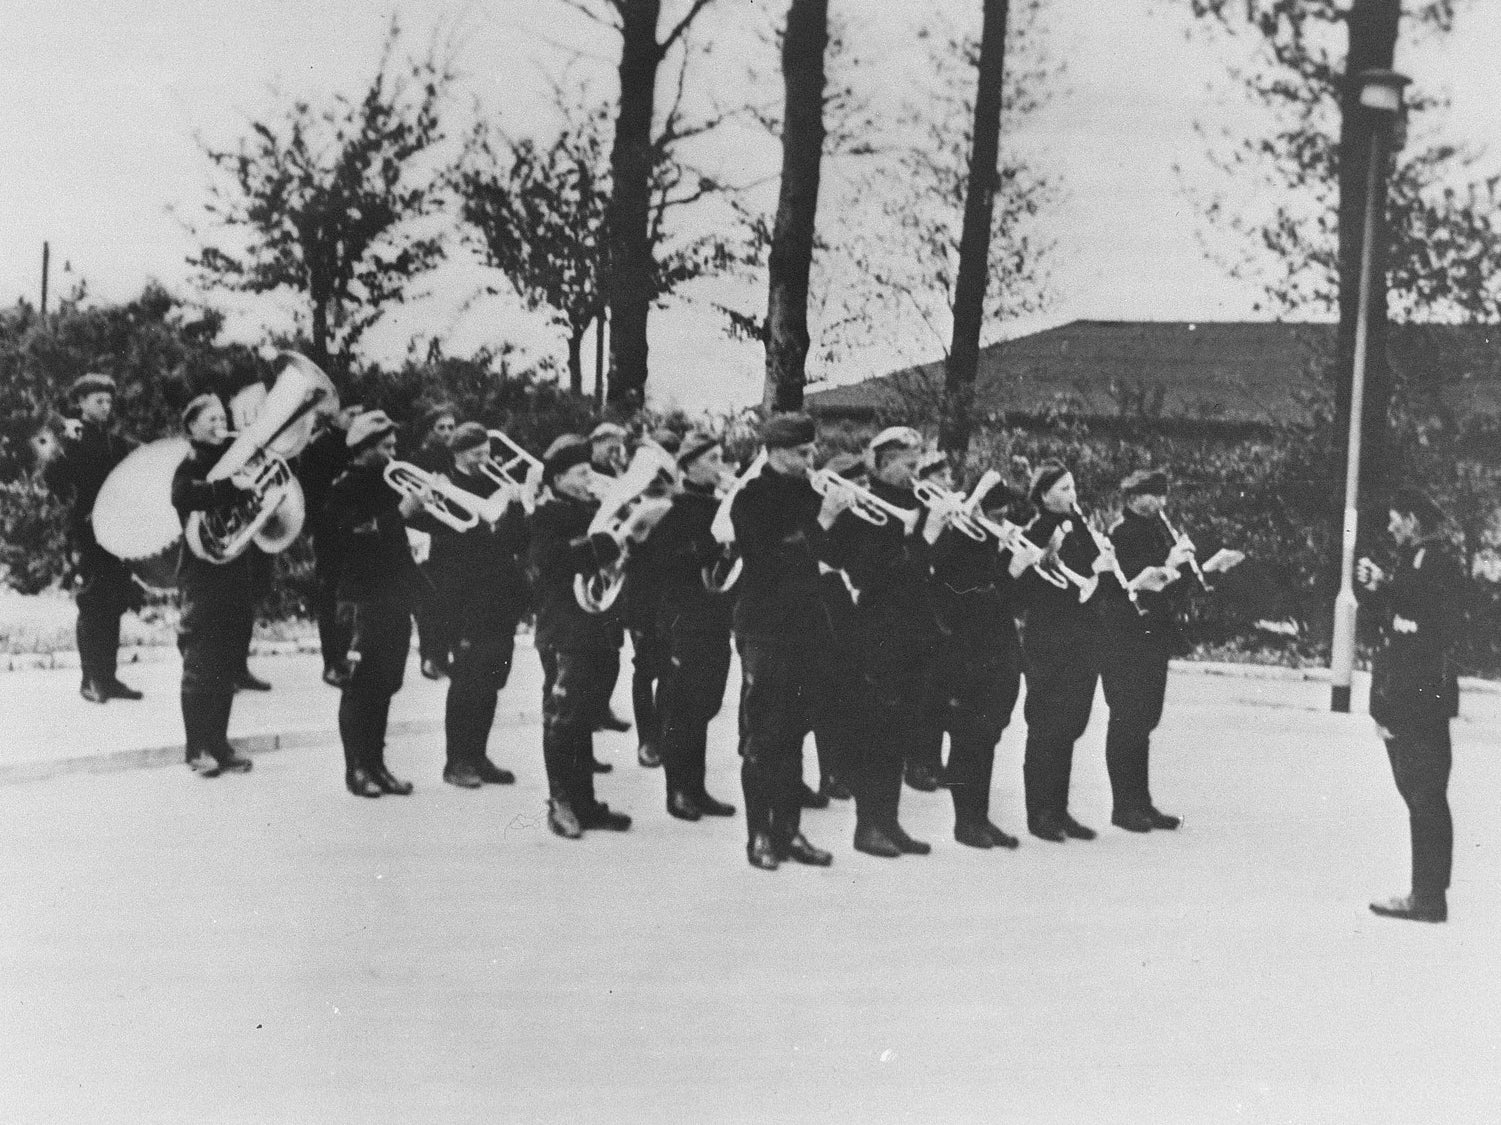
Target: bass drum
<point>133,515</point>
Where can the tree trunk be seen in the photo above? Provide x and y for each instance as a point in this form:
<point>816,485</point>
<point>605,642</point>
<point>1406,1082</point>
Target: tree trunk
<point>803,48</point>
<point>974,241</point>
<point>628,217</point>
<point>576,360</point>
<point>320,354</point>
<point>601,328</point>
<point>1373,39</point>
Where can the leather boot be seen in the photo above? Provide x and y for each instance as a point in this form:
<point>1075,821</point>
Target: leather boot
<point>872,841</point>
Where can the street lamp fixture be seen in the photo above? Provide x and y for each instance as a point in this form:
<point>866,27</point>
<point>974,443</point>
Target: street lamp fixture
<point>1381,96</point>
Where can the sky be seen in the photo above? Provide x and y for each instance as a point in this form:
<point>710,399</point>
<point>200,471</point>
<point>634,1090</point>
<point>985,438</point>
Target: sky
<point>101,101</point>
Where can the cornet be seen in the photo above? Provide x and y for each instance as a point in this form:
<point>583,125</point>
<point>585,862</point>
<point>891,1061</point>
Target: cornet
<point>954,507</point>
<point>864,503</point>
<point>450,504</point>
<point>513,468</point>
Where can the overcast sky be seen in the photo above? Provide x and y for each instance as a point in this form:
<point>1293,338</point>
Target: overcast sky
<point>102,98</point>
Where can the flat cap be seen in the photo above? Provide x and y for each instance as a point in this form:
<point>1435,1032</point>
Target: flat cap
<point>367,429</point>
<point>89,384</point>
<point>1153,481</point>
<point>470,435</point>
<point>783,431</point>
<point>563,454</point>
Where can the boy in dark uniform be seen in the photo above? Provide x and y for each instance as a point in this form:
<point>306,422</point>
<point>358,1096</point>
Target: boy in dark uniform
<point>377,587</point>
<point>578,649</point>
<point>1415,692</point>
<point>693,623</point>
<point>216,598</point>
<point>317,466</point>
<point>75,467</point>
<point>435,624</point>
<point>485,595</point>
<point>782,635</point>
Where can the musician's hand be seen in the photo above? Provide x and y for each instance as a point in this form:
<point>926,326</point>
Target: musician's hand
<point>835,501</point>
<point>414,502</point>
<point>933,524</point>
<point>1154,579</point>
<point>1182,551</point>
<point>1024,555</point>
<point>243,480</point>
<point>646,515</point>
<point>1105,560</point>
<point>72,428</point>
<point>1368,574</point>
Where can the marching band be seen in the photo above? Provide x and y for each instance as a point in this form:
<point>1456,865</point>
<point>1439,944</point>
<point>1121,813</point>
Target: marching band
<point>872,601</point>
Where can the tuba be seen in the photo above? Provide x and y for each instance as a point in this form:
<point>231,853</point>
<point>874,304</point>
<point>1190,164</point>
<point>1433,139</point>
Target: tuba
<point>721,575</point>
<point>650,469</point>
<point>276,426</point>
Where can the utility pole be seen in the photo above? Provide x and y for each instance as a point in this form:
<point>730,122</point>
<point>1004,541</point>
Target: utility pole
<point>46,266</point>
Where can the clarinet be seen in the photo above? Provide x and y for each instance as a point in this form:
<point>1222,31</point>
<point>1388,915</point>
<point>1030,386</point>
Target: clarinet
<point>1193,560</point>
<point>1103,544</point>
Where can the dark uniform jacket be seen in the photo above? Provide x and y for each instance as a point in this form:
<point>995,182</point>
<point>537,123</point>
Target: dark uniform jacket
<point>483,576</point>
<point>434,457</point>
<point>78,472</point>
<point>364,514</point>
<point>318,465</point>
<point>1413,681</point>
<point>890,570</point>
<point>561,548</point>
<point>1142,542</point>
<point>678,550</point>
<point>1051,605</point>
<point>192,492</point>
<point>974,594</point>
<point>780,539</point>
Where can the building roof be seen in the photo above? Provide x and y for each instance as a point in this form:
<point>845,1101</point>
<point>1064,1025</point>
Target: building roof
<point>1238,372</point>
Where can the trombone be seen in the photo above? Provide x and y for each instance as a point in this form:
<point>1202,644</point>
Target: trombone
<point>450,504</point>
<point>864,503</point>
<point>513,468</point>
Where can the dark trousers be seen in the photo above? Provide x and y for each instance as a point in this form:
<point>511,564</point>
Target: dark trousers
<point>481,667</point>
<point>105,592</point>
<point>649,658</point>
<point>839,727</point>
<point>333,637</point>
<point>209,637</point>
<point>697,666</point>
<point>573,682</point>
<point>1061,669</point>
<point>975,684</point>
<point>778,696</point>
<point>436,629</point>
<point>1133,669</point>
<point>1421,757</point>
<point>380,637</point>
<point>894,665</point>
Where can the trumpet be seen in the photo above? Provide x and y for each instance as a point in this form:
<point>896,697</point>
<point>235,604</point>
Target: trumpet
<point>450,504</point>
<point>721,575</point>
<point>955,508</point>
<point>1178,539</point>
<point>514,468</point>
<point>864,503</point>
<point>1104,545</point>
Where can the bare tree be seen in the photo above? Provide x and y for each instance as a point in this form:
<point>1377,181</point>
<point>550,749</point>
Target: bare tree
<point>974,240</point>
<point>326,199</point>
<point>791,257</point>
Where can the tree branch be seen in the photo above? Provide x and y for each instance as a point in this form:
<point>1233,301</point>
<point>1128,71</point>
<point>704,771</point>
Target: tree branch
<point>681,27</point>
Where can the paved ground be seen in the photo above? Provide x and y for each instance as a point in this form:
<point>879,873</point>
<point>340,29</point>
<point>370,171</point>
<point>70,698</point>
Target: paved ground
<point>265,948</point>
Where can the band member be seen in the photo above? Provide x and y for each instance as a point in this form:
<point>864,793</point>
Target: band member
<point>890,565</point>
<point>782,635</point>
<point>976,674</point>
<point>577,648</point>
<point>693,623</point>
<point>608,457</point>
<point>216,598</point>
<point>649,648</point>
<point>838,721</point>
<point>1137,645</point>
<point>1415,692</point>
<point>1060,649</point>
<point>378,586</point>
<point>75,464</point>
<point>485,595</point>
<point>435,629</point>
<point>318,464</point>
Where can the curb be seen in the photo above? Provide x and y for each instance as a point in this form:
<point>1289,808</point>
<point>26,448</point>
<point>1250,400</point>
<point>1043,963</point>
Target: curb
<point>18,773</point>
<point>1313,675</point>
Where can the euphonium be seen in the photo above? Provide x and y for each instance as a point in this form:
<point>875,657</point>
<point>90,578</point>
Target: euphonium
<point>650,468</point>
<point>865,503</point>
<point>273,510</point>
<point>514,468</point>
<point>450,504</point>
<point>722,574</point>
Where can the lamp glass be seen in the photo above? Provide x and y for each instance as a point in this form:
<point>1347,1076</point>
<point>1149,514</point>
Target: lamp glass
<point>1379,95</point>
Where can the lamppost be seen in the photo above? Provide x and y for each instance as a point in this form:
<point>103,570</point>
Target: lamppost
<point>1381,93</point>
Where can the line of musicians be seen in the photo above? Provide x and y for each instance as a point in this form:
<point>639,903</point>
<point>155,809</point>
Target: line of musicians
<point>878,635</point>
